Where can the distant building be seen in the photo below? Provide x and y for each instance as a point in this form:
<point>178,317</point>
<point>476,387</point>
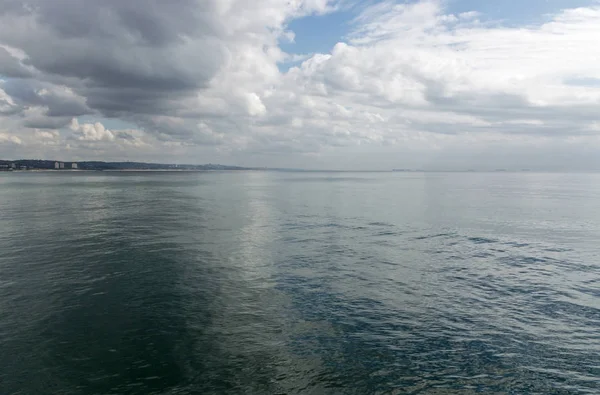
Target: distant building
<point>73,165</point>
<point>56,165</point>
<point>23,168</point>
<point>62,165</point>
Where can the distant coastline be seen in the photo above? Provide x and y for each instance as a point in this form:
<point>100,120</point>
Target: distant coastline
<point>56,165</point>
<point>52,166</point>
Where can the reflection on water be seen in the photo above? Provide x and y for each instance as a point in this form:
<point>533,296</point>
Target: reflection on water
<point>299,283</point>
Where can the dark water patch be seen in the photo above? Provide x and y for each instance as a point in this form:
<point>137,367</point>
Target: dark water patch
<point>482,255</point>
<point>522,261</point>
<point>455,257</point>
<point>545,263</point>
<point>563,310</point>
<point>387,233</point>
<point>594,292</point>
<point>316,226</point>
<point>389,263</point>
<point>298,225</point>
<point>434,236</point>
<point>380,224</point>
<point>481,240</point>
<point>385,242</point>
<point>591,281</point>
<point>557,249</point>
<point>517,244</point>
<point>332,225</point>
<point>300,261</point>
<point>299,240</point>
<point>122,329</point>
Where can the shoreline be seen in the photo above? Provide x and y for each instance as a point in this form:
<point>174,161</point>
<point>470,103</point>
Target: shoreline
<point>121,170</point>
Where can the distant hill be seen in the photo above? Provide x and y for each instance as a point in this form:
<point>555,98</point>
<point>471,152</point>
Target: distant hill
<point>99,165</point>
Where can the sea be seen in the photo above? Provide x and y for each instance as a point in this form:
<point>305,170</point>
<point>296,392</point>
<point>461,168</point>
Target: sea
<point>263,282</point>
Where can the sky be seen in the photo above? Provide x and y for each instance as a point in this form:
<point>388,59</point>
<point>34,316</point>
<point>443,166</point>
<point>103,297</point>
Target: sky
<point>314,84</point>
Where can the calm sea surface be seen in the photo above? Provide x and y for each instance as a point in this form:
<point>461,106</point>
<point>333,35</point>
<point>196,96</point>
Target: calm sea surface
<point>312,283</point>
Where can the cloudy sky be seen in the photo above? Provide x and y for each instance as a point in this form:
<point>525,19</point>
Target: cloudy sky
<point>337,84</point>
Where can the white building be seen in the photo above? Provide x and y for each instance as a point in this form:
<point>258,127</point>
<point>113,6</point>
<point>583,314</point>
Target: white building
<point>62,165</point>
<point>56,165</point>
<point>73,165</point>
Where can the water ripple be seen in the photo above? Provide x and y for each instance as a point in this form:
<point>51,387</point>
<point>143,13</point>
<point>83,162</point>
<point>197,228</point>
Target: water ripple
<point>268,284</point>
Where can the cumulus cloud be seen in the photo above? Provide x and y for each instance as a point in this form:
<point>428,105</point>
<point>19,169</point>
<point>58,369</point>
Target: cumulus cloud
<point>203,77</point>
<point>91,131</point>
<point>47,135</point>
<point>428,73</point>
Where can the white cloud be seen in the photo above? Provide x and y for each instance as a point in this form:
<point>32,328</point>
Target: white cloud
<point>255,105</point>
<point>423,70</point>
<point>47,134</point>
<point>91,131</point>
<point>6,138</point>
<point>6,102</point>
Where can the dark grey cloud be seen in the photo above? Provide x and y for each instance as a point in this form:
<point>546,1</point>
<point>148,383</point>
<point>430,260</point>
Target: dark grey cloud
<point>58,107</point>
<point>189,132</point>
<point>42,122</point>
<point>125,135</point>
<point>13,7</point>
<point>155,23</point>
<point>131,102</point>
<point>124,57</point>
<point>31,93</point>
<point>11,67</point>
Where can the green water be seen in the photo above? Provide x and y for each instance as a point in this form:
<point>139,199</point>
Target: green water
<point>312,283</point>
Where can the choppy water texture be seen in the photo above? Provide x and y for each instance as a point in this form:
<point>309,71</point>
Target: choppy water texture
<point>284,283</point>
